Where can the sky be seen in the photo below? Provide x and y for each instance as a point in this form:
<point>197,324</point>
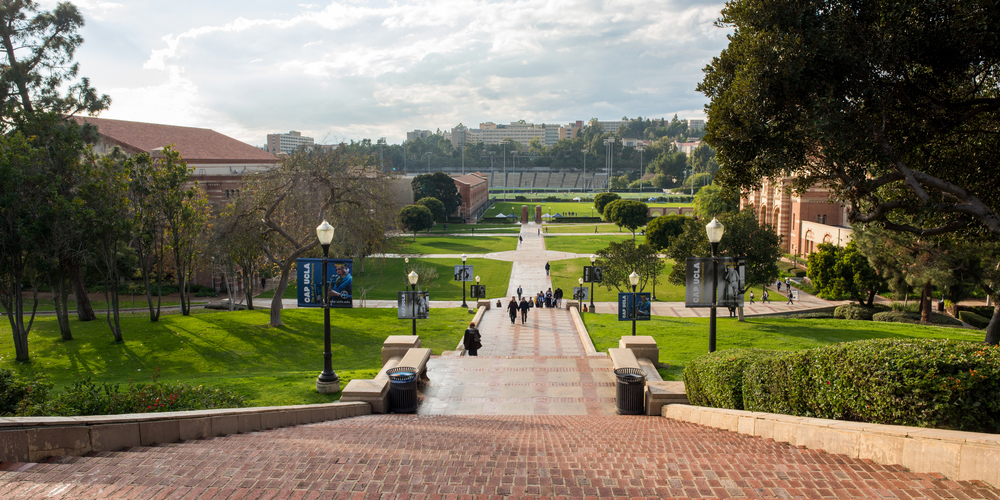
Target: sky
<point>350,70</point>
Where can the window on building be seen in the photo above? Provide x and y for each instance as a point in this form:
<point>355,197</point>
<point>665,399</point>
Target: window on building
<point>824,218</point>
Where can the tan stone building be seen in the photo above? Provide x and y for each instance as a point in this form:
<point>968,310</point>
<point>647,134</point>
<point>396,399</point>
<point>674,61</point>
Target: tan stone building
<point>802,221</point>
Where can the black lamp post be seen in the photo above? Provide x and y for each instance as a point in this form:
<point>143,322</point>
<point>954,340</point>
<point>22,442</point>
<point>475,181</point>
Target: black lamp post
<point>412,278</point>
<point>715,230</point>
<point>328,381</point>
<point>634,280</point>
<point>464,305</point>
<point>593,259</point>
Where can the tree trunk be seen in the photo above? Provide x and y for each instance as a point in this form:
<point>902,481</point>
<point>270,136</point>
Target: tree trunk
<point>59,295</point>
<point>84,310</point>
<point>278,292</point>
<point>993,329</point>
<point>114,323</point>
<point>925,303</point>
<point>248,293</point>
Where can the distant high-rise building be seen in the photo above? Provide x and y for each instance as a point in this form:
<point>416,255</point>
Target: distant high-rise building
<point>695,125</point>
<point>287,143</point>
<point>421,134</point>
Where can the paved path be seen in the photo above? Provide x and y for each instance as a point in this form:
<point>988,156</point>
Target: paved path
<point>421,457</point>
<point>536,368</point>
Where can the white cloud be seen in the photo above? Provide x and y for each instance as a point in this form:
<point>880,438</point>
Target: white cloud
<point>355,69</point>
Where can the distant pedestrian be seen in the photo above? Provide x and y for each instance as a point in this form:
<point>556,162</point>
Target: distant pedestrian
<point>263,283</point>
<point>764,297</point>
<point>546,268</point>
<point>595,229</point>
<point>519,291</point>
<point>751,298</point>
<point>558,294</point>
<point>539,231</point>
<point>789,292</point>
<point>520,239</point>
<point>524,310</point>
<point>779,285</point>
<point>472,339</point>
<point>732,312</point>
<point>788,284</point>
<point>512,310</point>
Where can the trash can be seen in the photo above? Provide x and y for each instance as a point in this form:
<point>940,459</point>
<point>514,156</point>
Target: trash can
<point>631,395</point>
<point>402,389</point>
<point>941,306</point>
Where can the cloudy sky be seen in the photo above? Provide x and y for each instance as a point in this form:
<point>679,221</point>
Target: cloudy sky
<point>354,69</point>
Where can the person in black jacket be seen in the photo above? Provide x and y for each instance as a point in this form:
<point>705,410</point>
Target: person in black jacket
<point>524,309</point>
<point>472,339</point>
<point>558,294</point>
<point>512,309</point>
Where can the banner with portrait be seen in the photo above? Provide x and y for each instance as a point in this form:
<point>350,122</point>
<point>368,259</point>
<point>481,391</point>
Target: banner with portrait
<point>309,282</point>
<point>732,280</point>
<point>413,305</point>
<point>478,291</point>
<point>463,273</point>
<point>581,293</point>
<point>593,274</point>
<point>635,306</point>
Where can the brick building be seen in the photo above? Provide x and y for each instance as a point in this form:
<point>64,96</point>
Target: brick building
<point>475,192</point>
<point>802,221</point>
<point>219,161</point>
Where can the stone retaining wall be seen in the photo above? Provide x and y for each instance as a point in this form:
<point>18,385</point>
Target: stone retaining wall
<point>33,439</point>
<point>962,456</point>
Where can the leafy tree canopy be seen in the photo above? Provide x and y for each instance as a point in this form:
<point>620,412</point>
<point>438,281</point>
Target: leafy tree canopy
<point>435,206</point>
<point>415,218</point>
<point>437,185</point>
<point>662,230</point>
<point>602,199</point>
<point>892,105</point>
<point>711,201</point>
<point>630,214</point>
<point>619,259</point>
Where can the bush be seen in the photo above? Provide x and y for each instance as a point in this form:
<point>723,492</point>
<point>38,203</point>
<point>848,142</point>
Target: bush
<point>717,379</point>
<point>914,318</point>
<point>17,393</point>
<point>520,198</point>
<point>916,382</point>
<point>552,198</point>
<point>858,311</point>
<point>89,398</point>
<point>973,319</point>
<point>984,311</point>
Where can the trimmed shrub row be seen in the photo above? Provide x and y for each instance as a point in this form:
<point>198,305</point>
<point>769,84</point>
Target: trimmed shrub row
<point>973,319</point>
<point>914,318</point>
<point>916,382</point>
<point>22,397</point>
<point>858,311</point>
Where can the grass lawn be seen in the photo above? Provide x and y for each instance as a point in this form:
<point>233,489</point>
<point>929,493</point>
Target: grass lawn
<point>271,366</point>
<point>468,228</point>
<point>124,302</point>
<point>582,208</point>
<point>387,277</point>
<point>587,244</point>
<point>584,228</point>
<point>566,273</point>
<point>682,339</point>
<point>455,244</point>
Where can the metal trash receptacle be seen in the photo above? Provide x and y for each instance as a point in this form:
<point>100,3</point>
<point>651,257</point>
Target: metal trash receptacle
<point>402,389</point>
<point>631,391</point>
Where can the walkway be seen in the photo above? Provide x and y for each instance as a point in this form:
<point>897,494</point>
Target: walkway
<point>417,456</point>
<point>538,368</point>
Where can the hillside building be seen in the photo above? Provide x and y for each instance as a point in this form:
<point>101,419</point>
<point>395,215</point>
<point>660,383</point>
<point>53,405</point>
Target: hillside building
<point>287,143</point>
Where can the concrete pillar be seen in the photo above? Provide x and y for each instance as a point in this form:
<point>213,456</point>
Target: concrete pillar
<point>538,214</point>
<point>524,214</point>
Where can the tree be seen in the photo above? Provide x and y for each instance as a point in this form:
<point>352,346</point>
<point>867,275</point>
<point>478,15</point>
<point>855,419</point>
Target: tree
<point>435,206</point>
<point>601,200</point>
<point>346,188</point>
<point>619,182</point>
<point>894,107</point>
<point>239,249</point>
<point>661,230</point>
<point>836,271</point>
<point>700,159</point>
<point>438,185</point>
<point>415,218</point>
<point>630,214</point>
<point>711,201</point>
<point>37,71</point>
<point>744,237</point>
<point>619,259</point>
<point>185,211</point>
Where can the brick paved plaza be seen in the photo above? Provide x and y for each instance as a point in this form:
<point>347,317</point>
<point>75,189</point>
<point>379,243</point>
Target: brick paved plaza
<point>532,416</point>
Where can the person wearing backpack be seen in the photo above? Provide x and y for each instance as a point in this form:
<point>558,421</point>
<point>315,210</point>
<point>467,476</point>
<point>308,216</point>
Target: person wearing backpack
<point>472,339</point>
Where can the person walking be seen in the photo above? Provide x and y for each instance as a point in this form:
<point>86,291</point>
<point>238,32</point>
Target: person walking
<point>546,268</point>
<point>779,285</point>
<point>764,297</point>
<point>788,290</point>
<point>520,239</point>
<point>751,297</point>
<point>519,292</point>
<point>558,294</point>
<point>472,339</point>
<point>548,298</point>
<point>524,310</point>
<point>512,310</point>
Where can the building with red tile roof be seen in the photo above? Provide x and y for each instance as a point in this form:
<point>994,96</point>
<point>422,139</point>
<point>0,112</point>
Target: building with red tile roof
<point>219,161</point>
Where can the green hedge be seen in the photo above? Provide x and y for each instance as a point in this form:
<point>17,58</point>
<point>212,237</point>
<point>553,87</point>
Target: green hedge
<point>973,319</point>
<point>914,318</point>
<point>717,379</point>
<point>858,311</point>
<point>915,382</point>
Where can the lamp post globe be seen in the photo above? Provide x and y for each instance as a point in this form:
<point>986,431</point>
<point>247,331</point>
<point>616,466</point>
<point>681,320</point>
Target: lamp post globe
<point>715,230</point>
<point>633,279</point>
<point>328,381</point>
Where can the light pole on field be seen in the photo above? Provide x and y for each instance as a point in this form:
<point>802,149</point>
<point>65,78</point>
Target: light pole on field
<point>714,230</point>
<point>634,280</point>
<point>328,381</point>
<point>412,278</point>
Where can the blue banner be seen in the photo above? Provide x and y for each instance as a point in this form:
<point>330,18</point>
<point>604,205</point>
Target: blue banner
<point>310,282</point>
<point>626,306</point>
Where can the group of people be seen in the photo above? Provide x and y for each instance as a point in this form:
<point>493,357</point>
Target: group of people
<point>522,303</point>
